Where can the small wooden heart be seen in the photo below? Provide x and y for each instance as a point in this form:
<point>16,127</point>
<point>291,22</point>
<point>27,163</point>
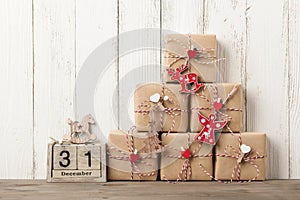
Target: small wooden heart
<point>245,148</point>
<point>192,53</point>
<point>134,157</point>
<point>218,106</point>
<point>155,98</point>
<point>186,154</point>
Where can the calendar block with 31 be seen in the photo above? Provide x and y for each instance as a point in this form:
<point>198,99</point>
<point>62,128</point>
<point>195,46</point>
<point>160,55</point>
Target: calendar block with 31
<point>76,163</point>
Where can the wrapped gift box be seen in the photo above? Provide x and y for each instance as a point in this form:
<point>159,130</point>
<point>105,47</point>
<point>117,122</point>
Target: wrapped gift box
<point>175,155</point>
<point>132,157</point>
<point>245,152</point>
<point>224,98</point>
<point>170,107</point>
<point>203,62</point>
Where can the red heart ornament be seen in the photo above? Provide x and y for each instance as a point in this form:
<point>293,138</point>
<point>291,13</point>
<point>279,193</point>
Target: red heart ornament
<point>218,106</point>
<point>192,53</point>
<point>186,154</point>
<point>134,157</point>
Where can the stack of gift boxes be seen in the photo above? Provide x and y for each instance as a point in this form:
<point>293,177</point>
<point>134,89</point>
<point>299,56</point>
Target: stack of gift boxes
<point>189,127</point>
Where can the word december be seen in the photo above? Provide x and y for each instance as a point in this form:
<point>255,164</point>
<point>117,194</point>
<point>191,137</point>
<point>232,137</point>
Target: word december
<point>82,173</point>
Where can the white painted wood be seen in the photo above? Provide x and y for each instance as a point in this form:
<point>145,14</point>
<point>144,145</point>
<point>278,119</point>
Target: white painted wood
<point>134,15</point>
<point>227,20</point>
<point>54,74</point>
<point>267,80</point>
<point>294,87</point>
<point>16,117</point>
<point>96,23</point>
<point>183,16</point>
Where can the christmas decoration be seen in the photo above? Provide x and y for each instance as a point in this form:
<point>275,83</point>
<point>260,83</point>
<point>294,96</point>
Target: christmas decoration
<point>207,134</point>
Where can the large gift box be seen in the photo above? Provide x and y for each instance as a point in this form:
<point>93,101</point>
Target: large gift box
<point>162,105</point>
<point>132,156</point>
<point>199,50</point>
<point>181,158</point>
<point>241,156</point>
<point>225,100</point>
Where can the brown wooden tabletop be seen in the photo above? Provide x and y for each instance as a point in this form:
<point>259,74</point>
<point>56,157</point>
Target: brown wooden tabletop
<point>39,189</point>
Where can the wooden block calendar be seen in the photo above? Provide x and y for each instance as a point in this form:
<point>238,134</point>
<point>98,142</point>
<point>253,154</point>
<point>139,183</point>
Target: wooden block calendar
<point>76,163</point>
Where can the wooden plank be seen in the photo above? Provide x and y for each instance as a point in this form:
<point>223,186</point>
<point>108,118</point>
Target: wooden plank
<point>54,59</point>
<point>16,77</point>
<point>96,23</point>
<point>294,87</point>
<point>138,64</point>
<point>267,77</point>
<point>227,20</point>
<point>183,16</point>
<point>32,190</point>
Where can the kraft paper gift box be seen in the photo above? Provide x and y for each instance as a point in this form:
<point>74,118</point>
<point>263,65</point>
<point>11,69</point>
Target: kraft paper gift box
<point>226,99</point>
<point>203,62</point>
<point>170,107</point>
<point>247,155</point>
<point>175,155</point>
<point>132,157</point>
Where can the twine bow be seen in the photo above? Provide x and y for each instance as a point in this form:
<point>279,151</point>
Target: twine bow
<point>133,157</point>
<point>149,106</point>
<point>216,104</point>
<point>241,158</point>
<point>186,154</point>
<point>191,52</point>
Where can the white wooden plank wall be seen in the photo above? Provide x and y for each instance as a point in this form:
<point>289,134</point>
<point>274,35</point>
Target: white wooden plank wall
<point>89,35</point>
<point>267,79</point>
<point>294,87</point>
<point>16,99</point>
<point>44,43</point>
<point>54,74</point>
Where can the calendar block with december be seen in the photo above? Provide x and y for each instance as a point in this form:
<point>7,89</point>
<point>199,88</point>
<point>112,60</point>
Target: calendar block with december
<point>76,163</point>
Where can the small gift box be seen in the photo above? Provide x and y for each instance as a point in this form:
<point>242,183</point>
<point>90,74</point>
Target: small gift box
<point>199,50</point>
<point>132,156</point>
<point>182,156</point>
<point>169,108</point>
<point>241,156</point>
<point>224,101</point>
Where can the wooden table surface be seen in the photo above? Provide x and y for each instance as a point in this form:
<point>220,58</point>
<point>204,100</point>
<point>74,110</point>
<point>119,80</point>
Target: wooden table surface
<point>39,189</point>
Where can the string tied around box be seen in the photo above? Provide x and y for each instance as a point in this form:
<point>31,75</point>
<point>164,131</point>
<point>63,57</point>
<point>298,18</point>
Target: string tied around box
<point>133,156</point>
<point>157,104</point>
<point>185,153</point>
<point>192,54</point>
<point>218,118</point>
<point>243,154</point>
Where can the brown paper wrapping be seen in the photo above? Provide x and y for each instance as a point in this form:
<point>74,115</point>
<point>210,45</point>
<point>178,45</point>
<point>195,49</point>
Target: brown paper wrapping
<point>121,169</point>
<point>224,166</point>
<point>206,72</point>
<point>180,101</point>
<point>223,89</point>
<point>170,167</point>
